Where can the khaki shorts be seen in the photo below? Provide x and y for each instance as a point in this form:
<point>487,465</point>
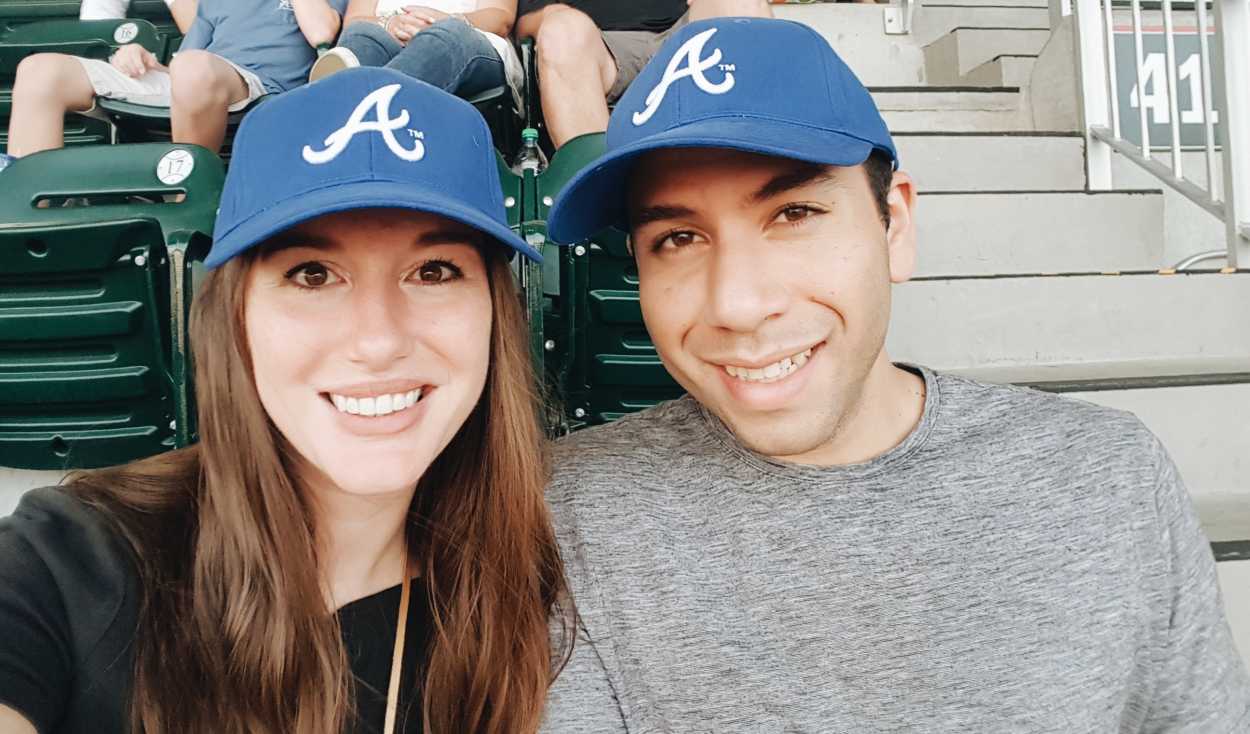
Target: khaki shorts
<point>632,50</point>
<point>152,88</point>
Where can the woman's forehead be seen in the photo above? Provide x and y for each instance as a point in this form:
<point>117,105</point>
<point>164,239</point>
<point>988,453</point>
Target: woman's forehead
<point>374,229</point>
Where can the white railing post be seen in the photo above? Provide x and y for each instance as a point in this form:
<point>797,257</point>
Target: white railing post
<point>1232,19</point>
<point>1095,101</point>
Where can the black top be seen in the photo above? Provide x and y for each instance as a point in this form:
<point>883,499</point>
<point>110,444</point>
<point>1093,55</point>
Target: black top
<point>68,593</point>
<point>613,15</point>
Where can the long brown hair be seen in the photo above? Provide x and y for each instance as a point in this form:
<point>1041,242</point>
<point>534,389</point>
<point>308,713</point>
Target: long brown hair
<point>234,635</point>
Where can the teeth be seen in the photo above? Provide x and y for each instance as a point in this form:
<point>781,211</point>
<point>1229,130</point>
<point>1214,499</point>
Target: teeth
<point>377,405</point>
<point>770,373</point>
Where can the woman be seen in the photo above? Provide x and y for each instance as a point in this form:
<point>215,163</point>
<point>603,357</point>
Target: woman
<point>369,445</point>
<point>459,46</point>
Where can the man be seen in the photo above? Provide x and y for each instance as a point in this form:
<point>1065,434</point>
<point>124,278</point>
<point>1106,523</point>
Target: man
<point>235,52</point>
<point>817,539</point>
<point>588,51</point>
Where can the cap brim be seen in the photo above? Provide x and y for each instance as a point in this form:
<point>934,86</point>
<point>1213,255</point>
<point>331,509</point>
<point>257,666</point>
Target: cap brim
<point>343,197</point>
<point>594,198</point>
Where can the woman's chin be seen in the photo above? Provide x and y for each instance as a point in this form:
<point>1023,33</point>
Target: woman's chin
<point>374,476</point>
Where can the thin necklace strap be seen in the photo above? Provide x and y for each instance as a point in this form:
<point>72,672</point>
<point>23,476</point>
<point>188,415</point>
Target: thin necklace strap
<point>397,657</point>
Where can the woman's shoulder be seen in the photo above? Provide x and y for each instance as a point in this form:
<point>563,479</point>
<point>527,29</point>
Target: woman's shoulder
<point>68,608</point>
<point>59,549</point>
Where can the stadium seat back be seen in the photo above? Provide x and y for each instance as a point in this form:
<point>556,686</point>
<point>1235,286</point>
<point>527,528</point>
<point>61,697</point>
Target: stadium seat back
<point>94,302</point>
<point>608,366</point>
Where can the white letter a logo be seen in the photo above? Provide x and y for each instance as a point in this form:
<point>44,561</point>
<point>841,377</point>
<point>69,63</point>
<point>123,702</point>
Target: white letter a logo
<point>379,102</point>
<point>689,53</point>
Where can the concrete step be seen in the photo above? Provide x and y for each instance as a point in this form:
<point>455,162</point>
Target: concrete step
<point>995,233</point>
<point>931,109</point>
<point>1005,71</point>
<point>857,32</point>
<point>957,53</point>
<point>1036,323</point>
<point>1002,162</point>
<point>992,4</point>
<point>931,22</point>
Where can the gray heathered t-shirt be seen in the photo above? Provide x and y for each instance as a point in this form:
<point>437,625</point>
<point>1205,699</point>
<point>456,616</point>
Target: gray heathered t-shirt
<point>1020,563</point>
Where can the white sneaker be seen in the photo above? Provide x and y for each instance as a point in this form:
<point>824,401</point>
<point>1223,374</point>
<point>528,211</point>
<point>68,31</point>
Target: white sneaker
<point>334,60</point>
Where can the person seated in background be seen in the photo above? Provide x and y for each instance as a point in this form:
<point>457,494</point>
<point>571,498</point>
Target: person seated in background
<point>235,52</point>
<point>590,50</point>
<point>182,11</point>
<point>459,46</point>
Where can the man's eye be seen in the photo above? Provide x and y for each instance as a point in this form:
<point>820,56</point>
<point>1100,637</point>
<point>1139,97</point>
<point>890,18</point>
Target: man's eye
<point>311,275</point>
<point>676,240</point>
<point>796,213</point>
<point>437,271</point>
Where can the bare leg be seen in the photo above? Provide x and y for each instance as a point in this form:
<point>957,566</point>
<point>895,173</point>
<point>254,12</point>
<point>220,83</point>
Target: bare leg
<point>202,88</point>
<point>47,86</point>
<point>702,9</point>
<point>575,72</point>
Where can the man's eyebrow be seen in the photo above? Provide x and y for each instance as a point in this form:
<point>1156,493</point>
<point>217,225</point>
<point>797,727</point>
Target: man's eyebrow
<point>658,213</point>
<point>802,175</point>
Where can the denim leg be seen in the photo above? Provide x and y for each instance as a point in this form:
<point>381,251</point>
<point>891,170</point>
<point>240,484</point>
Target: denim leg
<point>371,44</point>
<point>452,56</point>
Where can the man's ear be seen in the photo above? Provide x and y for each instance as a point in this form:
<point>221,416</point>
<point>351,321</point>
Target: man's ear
<point>901,234</point>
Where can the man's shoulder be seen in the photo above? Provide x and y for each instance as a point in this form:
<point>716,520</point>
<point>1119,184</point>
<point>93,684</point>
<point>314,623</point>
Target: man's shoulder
<point>631,447</point>
<point>1040,423</point>
<point>631,436</point>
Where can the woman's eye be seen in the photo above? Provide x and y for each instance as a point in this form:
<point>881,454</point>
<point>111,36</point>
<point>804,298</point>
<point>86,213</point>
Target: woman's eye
<point>311,275</point>
<point>437,271</point>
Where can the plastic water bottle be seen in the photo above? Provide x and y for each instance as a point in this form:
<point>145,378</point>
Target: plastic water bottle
<point>531,157</point>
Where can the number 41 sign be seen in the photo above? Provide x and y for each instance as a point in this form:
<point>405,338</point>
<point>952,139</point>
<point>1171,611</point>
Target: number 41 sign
<point>1154,95</point>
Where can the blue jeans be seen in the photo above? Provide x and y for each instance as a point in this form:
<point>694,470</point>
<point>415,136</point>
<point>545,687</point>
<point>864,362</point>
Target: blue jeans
<point>450,54</point>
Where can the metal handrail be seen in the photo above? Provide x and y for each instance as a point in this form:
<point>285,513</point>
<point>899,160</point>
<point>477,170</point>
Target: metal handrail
<point>1196,258</point>
<point>1095,45</point>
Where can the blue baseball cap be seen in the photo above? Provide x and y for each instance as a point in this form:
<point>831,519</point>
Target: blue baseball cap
<point>752,84</point>
<point>362,138</point>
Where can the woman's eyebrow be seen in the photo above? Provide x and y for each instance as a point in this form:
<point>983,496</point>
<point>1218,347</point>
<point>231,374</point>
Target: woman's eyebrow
<point>288,239</point>
<point>450,236</point>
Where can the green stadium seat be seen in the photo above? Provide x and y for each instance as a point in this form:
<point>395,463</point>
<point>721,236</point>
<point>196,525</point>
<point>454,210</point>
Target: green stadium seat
<point>94,301</point>
<point>600,357</point>
<point>136,123</point>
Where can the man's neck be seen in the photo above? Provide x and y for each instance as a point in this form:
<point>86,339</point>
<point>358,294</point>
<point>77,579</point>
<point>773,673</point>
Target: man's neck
<point>890,406</point>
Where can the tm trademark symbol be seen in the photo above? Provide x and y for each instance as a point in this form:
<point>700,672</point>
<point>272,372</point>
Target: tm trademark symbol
<point>416,134</point>
<point>727,67</point>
